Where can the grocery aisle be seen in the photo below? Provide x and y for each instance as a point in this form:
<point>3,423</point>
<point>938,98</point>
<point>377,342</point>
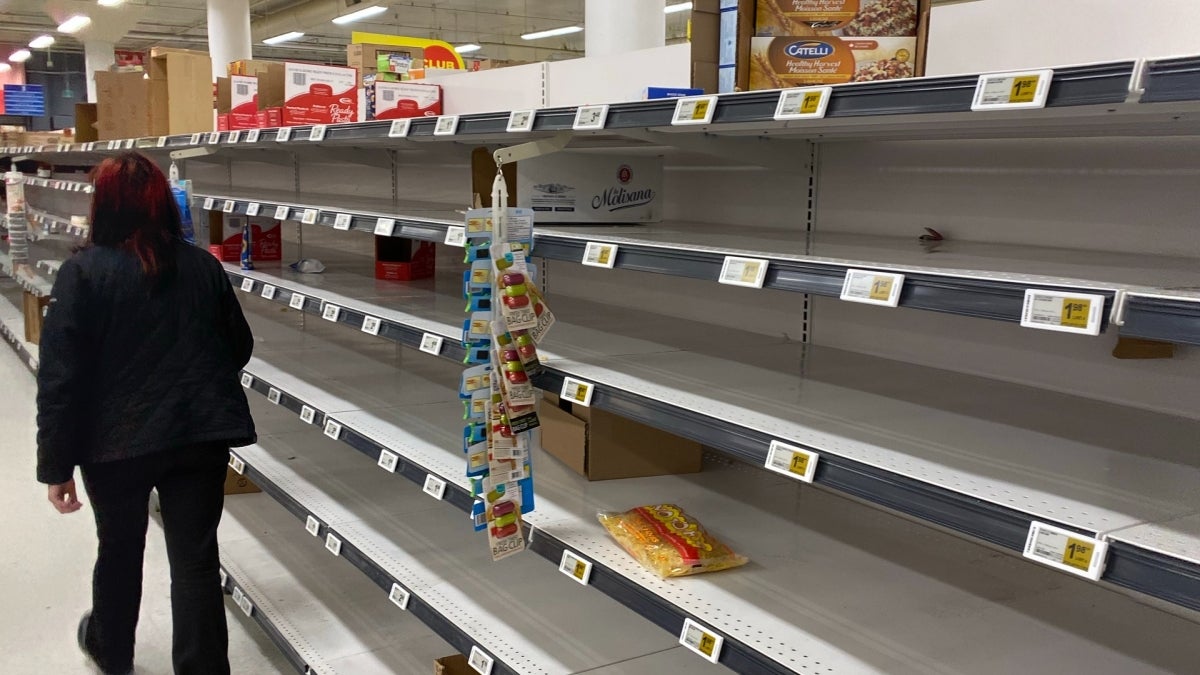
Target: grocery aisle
<point>46,564</point>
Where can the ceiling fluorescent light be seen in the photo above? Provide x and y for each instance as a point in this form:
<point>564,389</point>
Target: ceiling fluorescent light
<point>553,32</point>
<point>110,3</point>
<point>4,67</point>
<point>20,56</point>
<point>286,37</point>
<point>41,41</point>
<point>361,14</point>
<point>75,24</point>
<point>466,49</point>
<point>681,7</point>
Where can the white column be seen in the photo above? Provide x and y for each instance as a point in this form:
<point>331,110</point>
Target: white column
<point>619,26</point>
<point>97,55</point>
<point>228,33</point>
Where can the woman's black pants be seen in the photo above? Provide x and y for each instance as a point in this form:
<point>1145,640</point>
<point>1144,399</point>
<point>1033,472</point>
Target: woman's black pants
<point>190,483</point>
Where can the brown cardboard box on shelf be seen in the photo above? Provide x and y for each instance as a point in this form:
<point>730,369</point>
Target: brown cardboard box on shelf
<point>181,90</point>
<point>85,123</point>
<point>123,106</point>
<point>704,32</point>
<point>797,61</point>
<point>237,484</point>
<point>365,56</point>
<point>602,446</point>
<point>34,306</point>
<point>453,665</point>
<point>843,18</point>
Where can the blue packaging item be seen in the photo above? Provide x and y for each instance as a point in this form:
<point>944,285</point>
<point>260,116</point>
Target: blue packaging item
<point>180,192</point>
<point>670,92</point>
<point>247,258</point>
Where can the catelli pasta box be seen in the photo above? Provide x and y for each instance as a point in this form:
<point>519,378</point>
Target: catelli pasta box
<point>317,94</point>
<point>780,62</point>
<point>843,18</point>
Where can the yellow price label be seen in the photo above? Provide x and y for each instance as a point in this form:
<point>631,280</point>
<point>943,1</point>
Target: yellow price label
<point>881,288</point>
<point>799,464</point>
<point>750,272</point>
<point>1075,312</point>
<point>479,224</point>
<point>1023,89</point>
<point>701,109</point>
<point>707,644</point>
<point>1078,553</point>
<point>481,276</point>
<point>811,103</point>
<point>605,255</point>
<point>581,392</point>
<point>580,570</point>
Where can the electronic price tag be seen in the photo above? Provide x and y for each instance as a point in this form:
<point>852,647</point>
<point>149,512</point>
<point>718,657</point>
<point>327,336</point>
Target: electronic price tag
<point>333,429</point>
<point>229,206</point>
<point>162,142</point>
<point>596,254</point>
<point>214,138</point>
<point>388,461</point>
<point>247,285</point>
<point>456,235</point>
<point>400,128</point>
<point>283,135</point>
<point>313,526</point>
<point>577,391</point>
<point>317,133</point>
<point>748,272</point>
<point>371,325</point>
<point>234,137</point>
<point>520,120</point>
<point>694,110</point>
<point>872,288</point>
<point>297,301</point>
<point>281,212</point>
<point>1063,312</point>
<point>1012,91</point>
<point>447,125</point>
<point>342,221</point>
<point>796,104</point>
<point>792,461</point>
<point>434,487</point>
<point>307,414</point>
<point>331,312</point>
<point>194,140</point>
<point>268,292</point>
<point>333,544</point>
<point>309,217</point>
<point>252,135</point>
<point>701,640</point>
<point>384,227</point>
<point>431,344</point>
<point>399,596</point>
<point>480,662</point>
<point>1066,550</point>
<point>252,209</point>
<point>209,203</point>
<point>273,395</point>
<point>575,567</point>
<point>237,464</point>
<point>590,117</point>
<point>247,380</point>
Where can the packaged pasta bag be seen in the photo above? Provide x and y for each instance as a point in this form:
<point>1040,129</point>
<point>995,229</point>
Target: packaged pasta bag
<point>668,541</point>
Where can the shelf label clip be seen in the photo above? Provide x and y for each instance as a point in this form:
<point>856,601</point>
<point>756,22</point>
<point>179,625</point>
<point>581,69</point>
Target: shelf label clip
<point>1066,550</point>
<point>701,640</point>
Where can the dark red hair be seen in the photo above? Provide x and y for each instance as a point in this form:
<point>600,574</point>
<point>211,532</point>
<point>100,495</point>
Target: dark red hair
<point>133,208</point>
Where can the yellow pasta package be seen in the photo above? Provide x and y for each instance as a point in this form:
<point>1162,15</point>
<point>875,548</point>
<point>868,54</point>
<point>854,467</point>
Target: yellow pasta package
<point>668,541</point>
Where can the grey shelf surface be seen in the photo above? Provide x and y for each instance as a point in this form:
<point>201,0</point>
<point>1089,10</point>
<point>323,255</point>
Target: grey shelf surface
<point>820,564</point>
<point>976,455</point>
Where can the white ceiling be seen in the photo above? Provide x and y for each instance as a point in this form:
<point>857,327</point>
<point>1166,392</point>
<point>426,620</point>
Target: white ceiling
<point>495,24</point>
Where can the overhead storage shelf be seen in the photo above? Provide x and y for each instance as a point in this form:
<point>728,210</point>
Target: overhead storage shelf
<point>953,459</point>
<point>769,621</point>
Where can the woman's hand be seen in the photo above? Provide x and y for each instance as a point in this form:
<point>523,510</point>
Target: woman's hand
<point>64,497</point>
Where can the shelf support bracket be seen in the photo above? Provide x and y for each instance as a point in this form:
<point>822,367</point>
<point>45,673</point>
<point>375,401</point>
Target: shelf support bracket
<point>546,146</point>
<point>754,151</point>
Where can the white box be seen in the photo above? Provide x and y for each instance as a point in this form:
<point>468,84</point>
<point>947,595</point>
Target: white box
<point>578,188</point>
<point>316,94</point>
<point>394,100</point>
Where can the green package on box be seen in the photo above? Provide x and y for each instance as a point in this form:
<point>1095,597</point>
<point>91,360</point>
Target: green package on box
<point>398,62</point>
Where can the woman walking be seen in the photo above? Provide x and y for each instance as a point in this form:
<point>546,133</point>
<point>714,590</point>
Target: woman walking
<point>138,388</point>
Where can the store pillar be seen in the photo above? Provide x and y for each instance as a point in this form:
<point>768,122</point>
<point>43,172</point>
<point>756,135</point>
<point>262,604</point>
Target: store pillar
<point>97,55</point>
<point>228,33</point>
<point>619,26</point>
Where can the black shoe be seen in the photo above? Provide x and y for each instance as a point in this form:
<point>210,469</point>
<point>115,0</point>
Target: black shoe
<point>81,638</point>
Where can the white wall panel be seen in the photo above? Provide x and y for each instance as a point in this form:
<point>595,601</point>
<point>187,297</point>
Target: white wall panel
<point>514,88</point>
<point>619,77</point>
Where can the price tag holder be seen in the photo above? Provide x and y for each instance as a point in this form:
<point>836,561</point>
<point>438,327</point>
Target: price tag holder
<point>297,301</point>
<point>384,227</point>
<point>333,544</point>
<point>130,143</point>
<point>281,212</point>
<point>246,606</point>
<point>399,596</point>
<point>307,414</point>
<point>237,464</point>
<point>214,138</point>
<point>194,140</point>
<point>1063,312</point>
<point>371,325</point>
<point>229,206</point>
<point>252,209</point>
<point>234,137</point>
<point>1066,550</point>
<point>480,661</point>
<point>799,104</point>
<point>694,110</point>
<point>274,395</point>
<point>313,526</point>
<point>456,236</point>
<point>520,121</point>
<point>872,288</point>
<point>309,217</point>
<point>590,117</point>
<point>252,135</point>
<point>577,391</point>
<point>701,640</point>
<point>161,143</point>
<point>400,128</point>
<point>333,429</point>
<point>748,272</point>
<point>342,222</point>
<point>596,254</point>
<point>268,292</point>
<point>247,285</point>
<point>237,596</point>
<point>575,567</point>
<point>791,461</point>
<point>317,133</point>
<point>447,125</point>
<point>331,312</point>
<point>388,461</point>
<point>434,487</point>
<point>283,135</point>
<point>432,344</point>
<point>1012,91</point>
<point>247,380</point>
<point>209,203</point>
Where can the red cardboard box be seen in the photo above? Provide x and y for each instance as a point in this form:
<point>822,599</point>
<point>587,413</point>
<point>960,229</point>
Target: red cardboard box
<point>394,100</point>
<point>222,122</point>
<point>266,239</point>
<point>243,102</point>
<point>317,94</point>
<point>403,259</point>
<point>270,118</point>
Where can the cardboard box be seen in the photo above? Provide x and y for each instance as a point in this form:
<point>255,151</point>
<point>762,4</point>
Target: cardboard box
<point>316,94</point>
<point>569,187</point>
<point>704,32</point>
<point>394,100</point>
<point>599,445</point>
<point>181,91</point>
<point>366,55</point>
<point>223,122</point>
<point>453,665</point>
<point>270,118</point>
<point>237,484</point>
<point>398,259</point>
<point>85,123</point>
<point>123,106</point>
<point>733,50</point>
<point>225,238</point>
<point>842,18</point>
<point>782,62</point>
<point>237,97</point>
<point>34,308</point>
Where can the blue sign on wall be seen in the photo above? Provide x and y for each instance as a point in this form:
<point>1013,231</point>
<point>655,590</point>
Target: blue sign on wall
<point>27,100</point>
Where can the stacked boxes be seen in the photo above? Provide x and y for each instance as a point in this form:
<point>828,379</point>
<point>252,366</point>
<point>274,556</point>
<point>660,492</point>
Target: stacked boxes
<point>272,94</point>
<point>818,42</point>
<point>174,96</point>
<point>394,100</point>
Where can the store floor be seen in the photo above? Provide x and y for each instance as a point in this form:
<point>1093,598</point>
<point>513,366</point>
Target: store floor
<point>46,566</point>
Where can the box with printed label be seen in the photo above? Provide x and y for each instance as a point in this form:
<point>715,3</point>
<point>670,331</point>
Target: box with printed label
<point>237,97</point>
<point>394,100</point>
<point>270,118</point>
<point>225,238</point>
<point>780,62</point>
<point>569,187</point>
<point>399,259</point>
<point>316,94</point>
<point>844,18</point>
